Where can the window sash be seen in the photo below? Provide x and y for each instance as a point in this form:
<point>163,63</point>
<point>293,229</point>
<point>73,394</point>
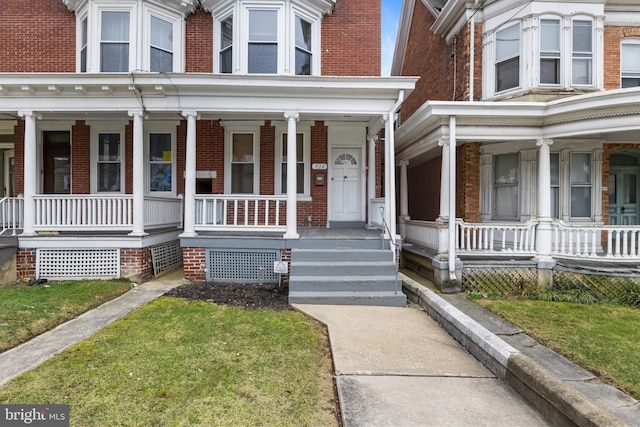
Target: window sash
<point>507,65</point>
<point>109,167</point>
<point>630,64</point>
<point>161,47</point>
<point>300,164</point>
<point>582,53</point>
<point>242,163</point>
<point>226,45</point>
<point>580,180</point>
<point>160,162</point>
<point>114,45</point>
<point>506,170</point>
<point>549,51</point>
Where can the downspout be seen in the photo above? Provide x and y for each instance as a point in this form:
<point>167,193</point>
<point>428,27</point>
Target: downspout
<point>452,199</point>
<point>390,169</point>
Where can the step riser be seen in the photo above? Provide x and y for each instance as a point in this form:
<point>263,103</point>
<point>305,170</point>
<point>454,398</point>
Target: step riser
<point>329,269</point>
<point>386,299</point>
<point>353,285</point>
<point>340,256</point>
<point>338,244</point>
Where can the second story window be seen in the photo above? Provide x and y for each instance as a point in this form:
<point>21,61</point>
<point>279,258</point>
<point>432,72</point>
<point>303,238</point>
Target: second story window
<point>226,45</point>
<point>262,56</point>
<point>582,53</point>
<point>630,63</point>
<point>161,49</point>
<point>303,47</point>
<point>550,51</point>
<point>114,42</point>
<point>508,58</point>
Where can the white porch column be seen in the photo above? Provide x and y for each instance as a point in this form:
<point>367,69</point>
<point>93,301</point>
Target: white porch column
<point>138,174</point>
<point>371,174</point>
<point>292,191</point>
<point>452,199</point>
<point>190,175</point>
<point>404,197</point>
<point>30,171</point>
<point>543,234</point>
<point>443,218</point>
<point>389,176</point>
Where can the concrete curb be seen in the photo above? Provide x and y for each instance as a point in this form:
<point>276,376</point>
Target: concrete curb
<point>557,401</point>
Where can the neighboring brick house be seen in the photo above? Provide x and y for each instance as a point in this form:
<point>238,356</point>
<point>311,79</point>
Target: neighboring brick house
<point>136,128</point>
<point>519,147</point>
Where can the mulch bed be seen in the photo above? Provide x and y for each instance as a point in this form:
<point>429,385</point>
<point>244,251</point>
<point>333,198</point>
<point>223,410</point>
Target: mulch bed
<point>245,295</point>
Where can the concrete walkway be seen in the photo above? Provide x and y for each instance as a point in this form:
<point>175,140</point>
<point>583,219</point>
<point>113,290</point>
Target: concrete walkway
<point>32,353</point>
<point>397,367</point>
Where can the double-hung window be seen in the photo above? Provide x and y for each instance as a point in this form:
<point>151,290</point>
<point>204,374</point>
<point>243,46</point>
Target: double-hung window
<point>555,185</point>
<point>506,173</point>
<point>262,56</point>
<point>226,45</point>
<point>114,41</point>
<point>550,51</point>
<point>109,165</point>
<point>160,162</point>
<point>580,172</point>
<point>630,63</point>
<point>243,163</point>
<point>507,64</point>
<point>303,46</point>
<point>161,46</point>
<point>582,53</point>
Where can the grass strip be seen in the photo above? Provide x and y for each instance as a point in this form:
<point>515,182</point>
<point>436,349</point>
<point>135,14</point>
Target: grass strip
<point>28,311</point>
<point>187,363</point>
<point>602,338</point>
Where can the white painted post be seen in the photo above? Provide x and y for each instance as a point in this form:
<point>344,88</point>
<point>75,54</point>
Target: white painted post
<point>190,175</point>
<point>138,174</point>
<point>30,171</point>
<point>371,175</point>
<point>452,198</point>
<point>443,218</point>
<point>543,233</point>
<point>292,192</point>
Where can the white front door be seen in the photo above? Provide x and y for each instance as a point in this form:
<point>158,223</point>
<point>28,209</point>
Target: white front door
<point>345,185</point>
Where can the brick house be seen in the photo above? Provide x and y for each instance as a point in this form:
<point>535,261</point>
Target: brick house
<point>138,134</point>
<point>519,147</point>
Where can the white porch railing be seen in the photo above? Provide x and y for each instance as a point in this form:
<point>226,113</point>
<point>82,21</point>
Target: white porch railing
<point>89,212</point>
<point>586,241</point>
<point>375,213</point>
<point>422,233</point>
<point>241,212</point>
<point>163,212</point>
<point>496,237</point>
<point>11,214</point>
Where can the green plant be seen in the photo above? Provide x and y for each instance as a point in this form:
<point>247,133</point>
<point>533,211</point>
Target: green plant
<point>631,297</point>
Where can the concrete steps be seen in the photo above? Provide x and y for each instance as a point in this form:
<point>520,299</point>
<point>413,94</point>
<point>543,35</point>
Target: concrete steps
<point>344,274</point>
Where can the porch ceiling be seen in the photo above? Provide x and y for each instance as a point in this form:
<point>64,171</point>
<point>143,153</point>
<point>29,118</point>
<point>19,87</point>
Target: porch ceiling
<point>609,115</point>
<point>110,96</point>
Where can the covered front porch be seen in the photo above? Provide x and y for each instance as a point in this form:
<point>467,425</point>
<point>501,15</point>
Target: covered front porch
<point>522,191</point>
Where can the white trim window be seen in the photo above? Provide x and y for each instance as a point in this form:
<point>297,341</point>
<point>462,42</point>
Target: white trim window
<point>107,158</point>
<point>119,37</point>
<point>555,184</point>
<point>507,63</point>
<point>582,52</point>
<point>630,63</point>
<point>270,37</point>
<point>506,174</point>
<point>550,51</point>
<point>242,160</point>
<point>160,148</point>
<point>580,182</point>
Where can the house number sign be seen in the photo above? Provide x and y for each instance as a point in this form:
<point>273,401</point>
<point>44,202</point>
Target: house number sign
<point>319,166</point>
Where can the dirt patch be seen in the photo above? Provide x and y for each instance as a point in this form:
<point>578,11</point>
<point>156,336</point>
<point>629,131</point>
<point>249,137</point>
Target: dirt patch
<point>245,295</point>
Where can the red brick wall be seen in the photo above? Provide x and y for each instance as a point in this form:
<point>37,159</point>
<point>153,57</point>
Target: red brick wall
<point>136,264</point>
<point>267,158</point>
<point>37,36</point>
<point>80,167</point>
<point>18,166</point>
<point>194,263</point>
<point>612,38</point>
<point>210,151</point>
<point>128,158</point>
<point>351,39</point>
<point>26,263</point>
<point>468,182</point>
<point>317,208</point>
<point>181,142</point>
<point>199,42</point>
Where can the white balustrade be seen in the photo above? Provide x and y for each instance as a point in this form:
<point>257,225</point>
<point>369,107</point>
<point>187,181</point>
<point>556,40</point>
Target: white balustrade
<point>11,214</point>
<point>496,237</point>
<point>162,212</point>
<point>241,212</point>
<point>375,213</point>
<point>586,241</point>
<point>422,233</point>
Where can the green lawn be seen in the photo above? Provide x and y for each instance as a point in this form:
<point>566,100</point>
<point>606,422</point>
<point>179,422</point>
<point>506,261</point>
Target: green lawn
<point>182,363</point>
<point>27,311</point>
<point>604,339</point>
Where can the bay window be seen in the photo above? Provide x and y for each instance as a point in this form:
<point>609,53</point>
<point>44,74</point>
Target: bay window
<point>226,45</point>
<point>630,63</point>
<point>263,42</point>
<point>161,49</point>
<point>582,53</point>
<point>303,47</point>
<point>114,42</point>
<point>550,51</point>
<point>507,64</point>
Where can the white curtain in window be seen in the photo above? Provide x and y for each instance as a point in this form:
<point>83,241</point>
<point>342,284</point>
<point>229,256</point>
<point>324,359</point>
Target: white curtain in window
<point>115,26</point>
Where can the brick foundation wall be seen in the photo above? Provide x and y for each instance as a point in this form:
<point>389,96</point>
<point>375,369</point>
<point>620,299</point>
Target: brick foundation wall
<point>26,263</point>
<point>194,264</point>
<point>136,264</point>
<point>285,255</point>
